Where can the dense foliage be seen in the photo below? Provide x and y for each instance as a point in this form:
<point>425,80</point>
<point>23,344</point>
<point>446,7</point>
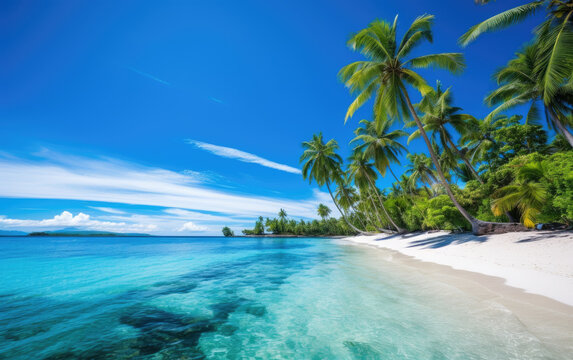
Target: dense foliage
<point>502,168</point>
<point>227,232</point>
<point>478,174</point>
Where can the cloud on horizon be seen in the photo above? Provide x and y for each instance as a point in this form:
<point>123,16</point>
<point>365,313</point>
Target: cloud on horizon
<point>243,156</point>
<point>80,220</point>
<point>183,197</point>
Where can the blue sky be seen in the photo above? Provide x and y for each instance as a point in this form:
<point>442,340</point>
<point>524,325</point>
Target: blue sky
<point>179,117</point>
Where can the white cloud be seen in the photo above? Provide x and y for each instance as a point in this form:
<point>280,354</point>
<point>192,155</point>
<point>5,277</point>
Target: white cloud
<point>231,153</point>
<point>199,216</point>
<point>190,226</point>
<point>149,76</point>
<point>80,220</point>
<point>59,176</point>
<point>107,210</point>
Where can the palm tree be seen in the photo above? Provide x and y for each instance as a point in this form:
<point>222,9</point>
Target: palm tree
<point>558,20</point>
<point>480,137</point>
<point>366,206</point>
<point>502,20</point>
<point>528,193</point>
<point>420,170</point>
<point>346,196</point>
<point>553,53</point>
<point>521,82</point>
<point>323,211</point>
<point>282,214</point>
<point>439,112</point>
<point>361,170</point>
<point>380,144</point>
<point>322,163</point>
<point>385,75</point>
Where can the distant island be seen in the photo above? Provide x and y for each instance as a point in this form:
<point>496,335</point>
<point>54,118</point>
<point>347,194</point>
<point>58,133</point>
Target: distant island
<point>78,232</point>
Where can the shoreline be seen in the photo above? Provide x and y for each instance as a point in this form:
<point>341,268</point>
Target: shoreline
<point>539,262</point>
<point>530,274</point>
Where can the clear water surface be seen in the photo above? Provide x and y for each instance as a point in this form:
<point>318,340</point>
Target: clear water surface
<point>217,298</point>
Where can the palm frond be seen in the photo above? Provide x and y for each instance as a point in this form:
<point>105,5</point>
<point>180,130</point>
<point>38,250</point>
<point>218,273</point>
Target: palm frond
<point>500,21</point>
<point>417,81</point>
<point>360,100</point>
<point>533,115</point>
<point>453,62</point>
<point>557,52</point>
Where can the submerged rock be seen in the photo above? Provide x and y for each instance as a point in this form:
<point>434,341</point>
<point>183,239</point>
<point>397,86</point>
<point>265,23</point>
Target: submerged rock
<point>164,330</point>
<point>257,310</point>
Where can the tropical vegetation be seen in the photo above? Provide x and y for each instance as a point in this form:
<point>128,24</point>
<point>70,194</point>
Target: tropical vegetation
<point>493,173</point>
<point>282,225</point>
<point>227,232</point>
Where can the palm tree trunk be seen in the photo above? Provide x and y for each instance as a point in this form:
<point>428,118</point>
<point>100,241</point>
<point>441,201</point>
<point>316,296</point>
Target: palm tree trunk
<point>375,211</point>
<point>478,227</point>
<point>382,204</point>
<point>428,192</point>
<point>341,212</point>
<point>360,219</point>
<point>350,204</point>
<point>368,217</point>
<point>465,160</point>
<point>555,120</point>
<point>377,225</point>
<point>394,175</point>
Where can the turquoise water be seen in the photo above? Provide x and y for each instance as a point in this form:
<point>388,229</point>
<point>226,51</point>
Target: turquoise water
<point>216,298</point>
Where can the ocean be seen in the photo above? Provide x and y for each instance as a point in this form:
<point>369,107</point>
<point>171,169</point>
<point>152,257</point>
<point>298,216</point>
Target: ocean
<point>239,298</point>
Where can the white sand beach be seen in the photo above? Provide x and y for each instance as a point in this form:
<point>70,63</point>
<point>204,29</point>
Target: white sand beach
<point>539,262</point>
<point>530,274</point>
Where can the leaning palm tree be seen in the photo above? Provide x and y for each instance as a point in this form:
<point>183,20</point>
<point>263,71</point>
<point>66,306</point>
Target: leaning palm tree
<point>282,214</point>
<point>420,171</point>
<point>438,113</point>
<point>528,193</point>
<point>555,46</point>
<point>323,211</point>
<point>361,170</point>
<point>322,163</point>
<point>521,82</point>
<point>367,206</point>
<point>380,144</point>
<point>386,73</point>
<point>346,197</point>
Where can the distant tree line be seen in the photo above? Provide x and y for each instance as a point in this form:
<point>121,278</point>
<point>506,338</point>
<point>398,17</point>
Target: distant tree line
<point>282,225</point>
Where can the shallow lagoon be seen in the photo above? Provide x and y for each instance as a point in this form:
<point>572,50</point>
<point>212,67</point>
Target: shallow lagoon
<point>217,298</point>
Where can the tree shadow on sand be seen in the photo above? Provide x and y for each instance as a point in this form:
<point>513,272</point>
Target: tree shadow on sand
<point>449,239</point>
<point>556,234</point>
<point>401,236</point>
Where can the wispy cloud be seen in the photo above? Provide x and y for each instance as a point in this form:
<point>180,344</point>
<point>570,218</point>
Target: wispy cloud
<point>59,176</point>
<point>149,76</point>
<point>218,101</point>
<point>240,155</point>
<point>107,210</point>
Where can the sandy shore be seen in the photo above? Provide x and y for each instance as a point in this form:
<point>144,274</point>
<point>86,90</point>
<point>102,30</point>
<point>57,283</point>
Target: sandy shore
<point>538,262</point>
<point>528,273</point>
